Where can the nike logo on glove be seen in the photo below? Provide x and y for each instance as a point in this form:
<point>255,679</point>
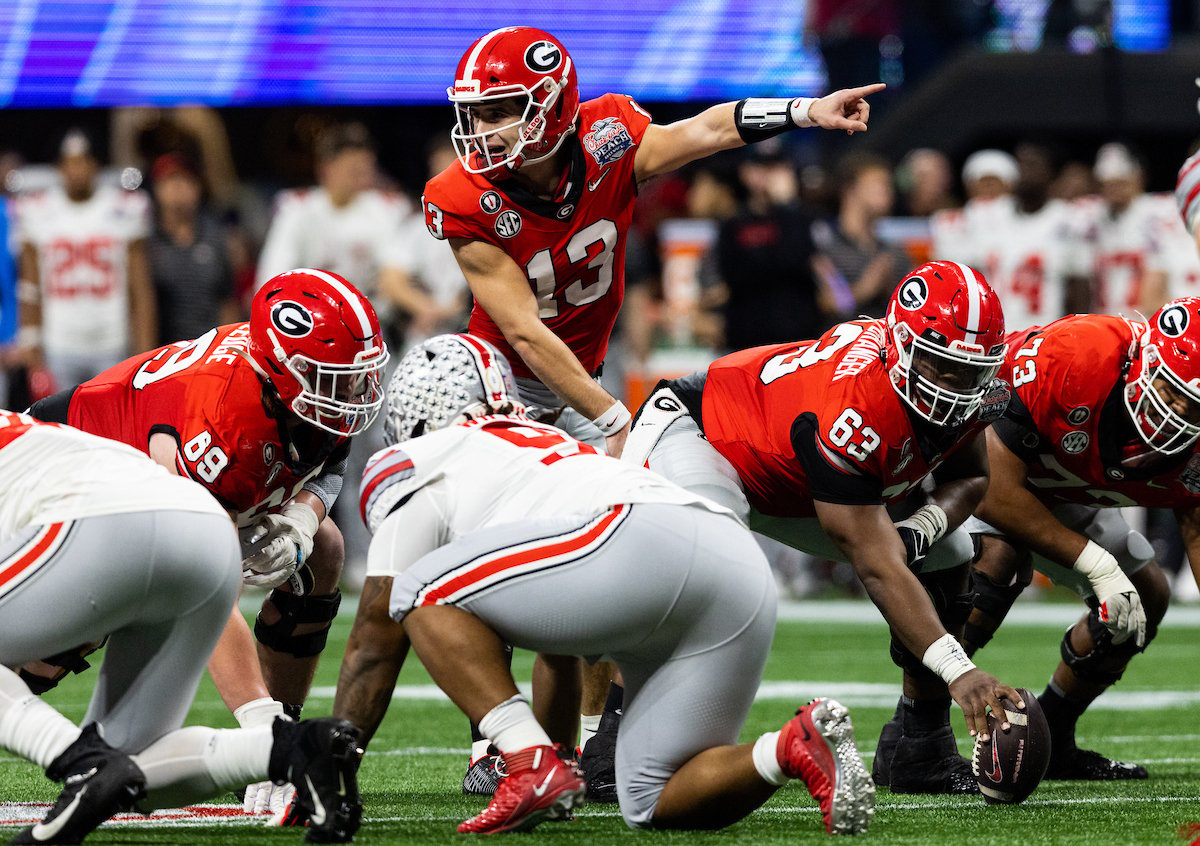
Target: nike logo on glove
<point>48,831</point>
<point>318,814</point>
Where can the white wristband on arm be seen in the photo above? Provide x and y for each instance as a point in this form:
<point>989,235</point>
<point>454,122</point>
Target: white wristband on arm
<point>798,109</point>
<point>613,420</point>
<point>29,337</point>
<point>1096,562</point>
<point>930,520</point>
<point>258,712</point>
<point>946,657</point>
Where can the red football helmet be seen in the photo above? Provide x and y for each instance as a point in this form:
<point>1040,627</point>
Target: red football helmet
<point>317,340</point>
<point>517,61</point>
<point>1162,389</point>
<point>945,341</point>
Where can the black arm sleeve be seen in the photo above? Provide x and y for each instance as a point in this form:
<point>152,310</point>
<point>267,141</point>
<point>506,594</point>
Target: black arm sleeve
<point>826,482</point>
<point>1017,430</point>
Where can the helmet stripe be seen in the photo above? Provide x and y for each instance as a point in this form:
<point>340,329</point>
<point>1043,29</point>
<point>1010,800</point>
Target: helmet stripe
<point>484,361</point>
<point>974,304</point>
<point>351,297</point>
<point>473,58</point>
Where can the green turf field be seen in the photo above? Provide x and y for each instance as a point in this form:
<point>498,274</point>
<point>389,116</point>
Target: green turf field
<point>412,773</point>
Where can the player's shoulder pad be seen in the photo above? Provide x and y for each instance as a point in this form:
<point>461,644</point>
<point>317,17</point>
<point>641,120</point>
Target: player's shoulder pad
<point>390,478</point>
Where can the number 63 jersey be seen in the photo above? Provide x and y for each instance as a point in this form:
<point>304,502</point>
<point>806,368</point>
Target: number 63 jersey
<point>571,248</point>
<point>209,399</point>
<point>820,420</point>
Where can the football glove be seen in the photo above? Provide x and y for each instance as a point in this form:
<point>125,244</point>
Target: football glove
<point>281,542</point>
<point>264,797</point>
<point>919,531</point>
<point>1121,609</point>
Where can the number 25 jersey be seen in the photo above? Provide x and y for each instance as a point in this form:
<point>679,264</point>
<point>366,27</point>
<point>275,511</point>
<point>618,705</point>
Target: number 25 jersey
<point>572,248</point>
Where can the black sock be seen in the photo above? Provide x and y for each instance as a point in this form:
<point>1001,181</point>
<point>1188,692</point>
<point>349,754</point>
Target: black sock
<point>292,711</point>
<point>476,734</point>
<point>610,719</point>
<point>924,716</point>
<point>1062,713</point>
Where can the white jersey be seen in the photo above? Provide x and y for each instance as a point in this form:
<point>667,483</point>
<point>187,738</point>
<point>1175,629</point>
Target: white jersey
<point>83,261</point>
<point>1027,258</point>
<point>1123,253</point>
<point>491,472</point>
<point>54,473</point>
<point>355,241</point>
<point>1176,247</point>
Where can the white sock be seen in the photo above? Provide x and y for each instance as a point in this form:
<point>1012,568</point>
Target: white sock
<point>766,759</point>
<point>28,726</point>
<point>588,725</point>
<point>479,748</point>
<point>512,726</point>
<point>197,763</point>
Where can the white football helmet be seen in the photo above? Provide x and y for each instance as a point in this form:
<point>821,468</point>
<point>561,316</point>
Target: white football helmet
<point>446,380</point>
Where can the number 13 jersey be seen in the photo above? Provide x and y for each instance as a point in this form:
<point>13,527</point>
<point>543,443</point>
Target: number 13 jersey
<point>571,248</point>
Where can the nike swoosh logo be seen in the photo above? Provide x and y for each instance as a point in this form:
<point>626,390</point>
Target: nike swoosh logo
<point>995,775</point>
<point>318,814</point>
<point>541,788</point>
<point>594,183</point>
<point>48,831</point>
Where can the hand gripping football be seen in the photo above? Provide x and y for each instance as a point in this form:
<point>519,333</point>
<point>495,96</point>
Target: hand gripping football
<point>1010,765</point>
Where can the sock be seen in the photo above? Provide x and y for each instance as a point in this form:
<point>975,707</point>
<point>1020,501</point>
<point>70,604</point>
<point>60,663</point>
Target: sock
<point>766,759</point>
<point>28,726</point>
<point>1062,713</point>
<point>293,711</point>
<point>479,748</point>
<point>197,763</point>
<point>924,716</point>
<point>615,700</point>
<point>589,724</point>
<point>512,727</point>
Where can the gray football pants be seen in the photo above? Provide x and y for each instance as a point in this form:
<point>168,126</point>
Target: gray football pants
<point>160,583</point>
<point>679,596</point>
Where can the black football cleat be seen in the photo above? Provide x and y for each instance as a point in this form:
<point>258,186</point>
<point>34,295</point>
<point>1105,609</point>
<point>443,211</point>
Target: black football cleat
<point>1076,764</point>
<point>320,757</point>
<point>484,774</point>
<point>930,764</point>
<point>881,764</point>
<point>599,762</point>
<point>99,781</point>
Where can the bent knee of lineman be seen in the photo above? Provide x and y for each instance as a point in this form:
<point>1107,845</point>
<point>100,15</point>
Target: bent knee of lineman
<point>291,613</point>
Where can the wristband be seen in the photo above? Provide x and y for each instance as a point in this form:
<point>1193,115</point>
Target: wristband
<point>258,712</point>
<point>929,519</point>
<point>946,657</point>
<point>29,337</point>
<point>1095,561</point>
<point>760,118</point>
<point>28,292</point>
<point>614,419</point>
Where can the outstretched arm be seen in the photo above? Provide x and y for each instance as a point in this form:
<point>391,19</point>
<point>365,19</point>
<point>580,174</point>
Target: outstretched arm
<point>729,125</point>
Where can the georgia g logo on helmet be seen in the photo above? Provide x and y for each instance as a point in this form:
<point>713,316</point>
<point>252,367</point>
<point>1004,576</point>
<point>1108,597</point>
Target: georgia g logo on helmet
<point>292,319</point>
<point>913,293</point>
<point>1173,321</point>
<point>543,56</point>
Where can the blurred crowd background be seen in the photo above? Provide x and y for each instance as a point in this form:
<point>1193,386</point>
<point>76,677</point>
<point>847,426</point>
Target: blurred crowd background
<point>1037,141</point>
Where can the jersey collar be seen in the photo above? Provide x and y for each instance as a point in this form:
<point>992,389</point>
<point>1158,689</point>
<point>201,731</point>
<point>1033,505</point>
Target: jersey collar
<point>564,205</point>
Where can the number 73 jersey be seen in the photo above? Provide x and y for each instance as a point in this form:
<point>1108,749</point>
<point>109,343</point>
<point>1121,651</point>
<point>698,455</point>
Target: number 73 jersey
<point>820,420</point>
<point>572,248</point>
<point>209,399</point>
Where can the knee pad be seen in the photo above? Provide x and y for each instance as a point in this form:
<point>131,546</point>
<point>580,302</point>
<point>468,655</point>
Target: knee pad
<point>294,611</point>
<point>952,610</point>
<point>1107,661</point>
<point>994,600</point>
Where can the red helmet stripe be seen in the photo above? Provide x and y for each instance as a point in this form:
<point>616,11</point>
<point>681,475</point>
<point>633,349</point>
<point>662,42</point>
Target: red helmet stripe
<point>484,361</point>
<point>350,297</point>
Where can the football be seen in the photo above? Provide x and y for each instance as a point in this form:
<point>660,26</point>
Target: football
<point>1009,765</point>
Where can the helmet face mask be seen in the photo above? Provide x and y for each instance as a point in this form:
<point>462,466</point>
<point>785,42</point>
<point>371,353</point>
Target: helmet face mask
<point>316,339</point>
<point>1162,391</point>
<point>520,64</point>
<point>446,380</point>
<point>945,341</point>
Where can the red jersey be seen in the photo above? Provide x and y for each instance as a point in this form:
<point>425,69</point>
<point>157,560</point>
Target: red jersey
<point>1069,423</point>
<point>572,249</point>
<point>820,420</point>
<point>208,397</point>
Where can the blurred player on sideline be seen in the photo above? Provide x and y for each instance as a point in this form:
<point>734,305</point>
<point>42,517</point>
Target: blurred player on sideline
<point>490,528</point>
<point>96,542</point>
<point>865,445</point>
<point>539,204</point>
<point>261,414</point>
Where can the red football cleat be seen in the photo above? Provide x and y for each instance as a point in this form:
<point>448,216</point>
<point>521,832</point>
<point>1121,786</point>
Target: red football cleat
<point>817,746</point>
<point>539,786</point>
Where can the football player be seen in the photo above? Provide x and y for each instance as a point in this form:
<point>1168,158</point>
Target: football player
<point>260,414</point>
<point>539,204</point>
<point>96,542</point>
<point>865,445</point>
<point>491,528</point>
<point>1187,195</point>
<point>1105,414</point>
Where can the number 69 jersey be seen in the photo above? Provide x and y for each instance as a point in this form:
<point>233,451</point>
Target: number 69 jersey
<point>1068,420</point>
<point>572,248</point>
<point>208,397</point>
<point>820,420</point>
